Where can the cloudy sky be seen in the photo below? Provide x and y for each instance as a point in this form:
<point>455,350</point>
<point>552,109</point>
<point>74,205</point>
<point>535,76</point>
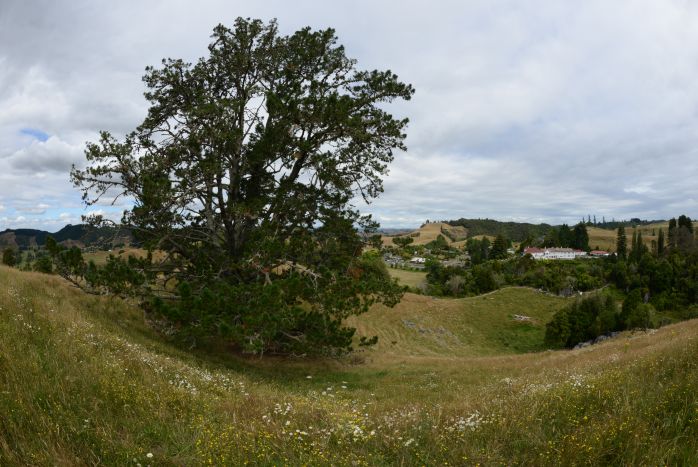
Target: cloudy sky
<point>530,111</point>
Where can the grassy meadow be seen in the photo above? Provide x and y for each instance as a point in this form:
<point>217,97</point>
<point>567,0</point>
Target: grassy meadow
<point>409,278</point>
<point>100,257</point>
<point>84,380</point>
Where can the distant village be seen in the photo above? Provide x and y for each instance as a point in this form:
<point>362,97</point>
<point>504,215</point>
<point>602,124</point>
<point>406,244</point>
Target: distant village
<point>562,253</point>
<point>441,243</point>
<point>463,260</point>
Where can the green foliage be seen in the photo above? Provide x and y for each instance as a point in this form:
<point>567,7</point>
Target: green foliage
<point>672,233</point>
<point>580,237</point>
<point>565,237</point>
<point>10,257</point>
<point>643,316</point>
<point>403,241</point>
<point>499,248</point>
<point>517,231</point>
<point>43,264</point>
<point>557,331</point>
<point>484,279</point>
<point>243,175</point>
<point>621,243</point>
<point>438,244</point>
<point>660,243</point>
<point>479,250</point>
<point>64,354</point>
<point>582,320</point>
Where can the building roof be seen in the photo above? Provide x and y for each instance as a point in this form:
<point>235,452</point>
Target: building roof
<point>532,249</point>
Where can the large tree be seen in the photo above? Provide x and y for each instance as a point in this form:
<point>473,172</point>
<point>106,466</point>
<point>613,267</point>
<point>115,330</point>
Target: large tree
<point>499,248</point>
<point>580,237</point>
<point>244,178</point>
<point>9,257</point>
<point>621,242</point>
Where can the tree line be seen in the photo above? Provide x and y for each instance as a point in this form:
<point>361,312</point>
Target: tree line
<point>655,284</point>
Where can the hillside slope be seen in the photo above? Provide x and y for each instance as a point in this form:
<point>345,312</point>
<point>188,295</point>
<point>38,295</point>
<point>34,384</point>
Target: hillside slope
<point>429,232</point>
<point>83,380</point>
<point>80,235</point>
<point>466,327</point>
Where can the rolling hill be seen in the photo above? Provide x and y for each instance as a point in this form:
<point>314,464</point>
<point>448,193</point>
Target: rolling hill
<point>86,380</point>
<point>80,235</point>
<point>429,232</point>
<point>466,327</point>
<point>462,229</point>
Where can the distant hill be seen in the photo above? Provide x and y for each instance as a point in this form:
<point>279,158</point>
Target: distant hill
<point>80,235</point>
<point>454,235</point>
<point>515,231</point>
<point>601,235</point>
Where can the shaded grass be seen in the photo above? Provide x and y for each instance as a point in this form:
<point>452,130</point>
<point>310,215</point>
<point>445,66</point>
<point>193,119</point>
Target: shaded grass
<point>83,380</point>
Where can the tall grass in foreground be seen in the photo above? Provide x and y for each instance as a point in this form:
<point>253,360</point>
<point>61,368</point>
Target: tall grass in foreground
<point>83,381</point>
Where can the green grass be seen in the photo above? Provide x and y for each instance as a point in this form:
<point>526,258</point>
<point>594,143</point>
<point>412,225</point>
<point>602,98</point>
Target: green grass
<point>84,380</point>
<point>466,327</point>
<point>412,279</point>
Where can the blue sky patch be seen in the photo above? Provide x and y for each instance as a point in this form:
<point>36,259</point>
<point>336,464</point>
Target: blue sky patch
<point>34,133</point>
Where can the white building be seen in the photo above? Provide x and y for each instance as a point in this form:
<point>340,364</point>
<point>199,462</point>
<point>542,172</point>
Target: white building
<point>554,253</point>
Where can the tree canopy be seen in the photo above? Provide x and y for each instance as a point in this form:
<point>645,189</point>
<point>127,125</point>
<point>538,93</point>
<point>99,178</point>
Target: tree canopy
<point>245,174</point>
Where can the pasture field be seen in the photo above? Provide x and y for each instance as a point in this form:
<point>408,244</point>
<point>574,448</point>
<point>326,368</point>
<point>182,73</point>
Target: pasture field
<point>100,256</point>
<point>408,278</point>
<point>86,380</point>
<point>454,235</point>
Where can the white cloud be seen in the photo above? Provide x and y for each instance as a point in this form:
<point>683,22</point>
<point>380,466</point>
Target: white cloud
<point>524,110</point>
<point>36,209</point>
<point>52,155</point>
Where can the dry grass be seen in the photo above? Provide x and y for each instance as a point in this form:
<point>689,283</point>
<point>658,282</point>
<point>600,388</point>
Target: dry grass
<point>605,239</point>
<point>429,232</point>
<point>100,257</point>
<point>83,380</point>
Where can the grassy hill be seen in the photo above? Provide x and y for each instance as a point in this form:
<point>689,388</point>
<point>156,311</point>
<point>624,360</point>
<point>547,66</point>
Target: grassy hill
<point>515,231</point>
<point>429,232</point>
<point>408,278</point>
<point>456,235</point>
<point>605,239</point>
<point>466,327</point>
<point>84,380</point>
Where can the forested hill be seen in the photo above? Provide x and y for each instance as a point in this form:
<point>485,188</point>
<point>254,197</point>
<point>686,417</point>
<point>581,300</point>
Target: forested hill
<point>520,231</point>
<point>79,235</point>
<point>515,231</point>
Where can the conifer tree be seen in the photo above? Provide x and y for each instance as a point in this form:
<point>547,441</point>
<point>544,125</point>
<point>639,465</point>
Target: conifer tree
<point>621,243</point>
<point>499,248</point>
<point>580,237</point>
<point>9,257</point>
<point>660,243</point>
<point>243,174</point>
<point>672,233</point>
<point>565,236</point>
<point>640,247</point>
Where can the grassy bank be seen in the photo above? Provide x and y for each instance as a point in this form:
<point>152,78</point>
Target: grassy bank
<point>83,380</point>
